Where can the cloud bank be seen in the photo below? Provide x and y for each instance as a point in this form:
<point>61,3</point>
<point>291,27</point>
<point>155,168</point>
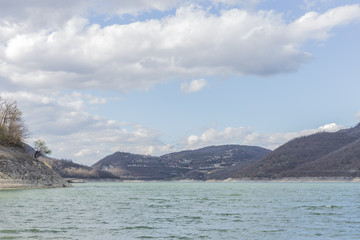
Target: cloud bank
<point>193,43</point>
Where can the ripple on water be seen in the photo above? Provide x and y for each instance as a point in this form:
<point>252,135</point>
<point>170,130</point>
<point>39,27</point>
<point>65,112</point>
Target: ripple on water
<point>183,211</point>
<point>138,227</point>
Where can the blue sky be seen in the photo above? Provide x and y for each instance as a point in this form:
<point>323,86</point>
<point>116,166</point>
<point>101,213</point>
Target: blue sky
<point>152,77</point>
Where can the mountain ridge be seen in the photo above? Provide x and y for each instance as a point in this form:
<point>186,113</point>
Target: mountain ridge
<point>318,155</point>
<point>191,164</point>
<point>323,154</point>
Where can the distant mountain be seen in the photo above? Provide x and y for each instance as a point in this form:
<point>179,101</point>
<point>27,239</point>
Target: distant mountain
<point>216,162</point>
<point>318,155</point>
<point>195,164</point>
<point>136,166</point>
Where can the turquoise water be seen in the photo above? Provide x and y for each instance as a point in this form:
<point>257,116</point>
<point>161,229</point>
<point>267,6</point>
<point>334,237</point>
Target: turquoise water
<point>174,210</point>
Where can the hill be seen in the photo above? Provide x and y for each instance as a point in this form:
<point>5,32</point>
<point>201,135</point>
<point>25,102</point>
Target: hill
<point>342,162</point>
<point>197,164</point>
<point>68,169</point>
<point>136,166</point>
<point>318,155</point>
<point>18,169</point>
<point>216,162</point>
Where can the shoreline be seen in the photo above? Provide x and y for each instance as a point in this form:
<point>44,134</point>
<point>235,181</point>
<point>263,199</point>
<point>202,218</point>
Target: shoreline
<point>230,180</point>
<point>11,184</point>
<point>293,180</point>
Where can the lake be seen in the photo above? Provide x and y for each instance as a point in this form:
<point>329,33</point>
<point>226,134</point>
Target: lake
<point>183,210</point>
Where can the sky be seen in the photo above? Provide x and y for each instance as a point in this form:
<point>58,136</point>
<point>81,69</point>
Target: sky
<point>151,77</point>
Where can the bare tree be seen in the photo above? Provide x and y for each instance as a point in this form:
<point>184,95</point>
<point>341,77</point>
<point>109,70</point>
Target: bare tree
<point>12,127</point>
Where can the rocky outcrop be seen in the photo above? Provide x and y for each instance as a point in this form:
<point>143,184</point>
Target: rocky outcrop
<point>18,169</point>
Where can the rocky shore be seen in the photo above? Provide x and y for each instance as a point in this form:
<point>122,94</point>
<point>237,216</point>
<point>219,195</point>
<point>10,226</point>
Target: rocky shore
<point>19,170</point>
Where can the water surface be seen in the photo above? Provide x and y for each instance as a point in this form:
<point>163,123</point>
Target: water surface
<point>177,210</point>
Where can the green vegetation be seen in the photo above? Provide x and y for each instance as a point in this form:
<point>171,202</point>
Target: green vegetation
<point>12,128</point>
<point>40,148</point>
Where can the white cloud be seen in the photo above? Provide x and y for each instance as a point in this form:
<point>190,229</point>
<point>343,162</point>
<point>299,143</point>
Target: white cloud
<point>274,140</point>
<point>331,127</point>
<point>94,141</point>
<point>193,86</point>
<point>66,124</point>
<point>317,26</point>
<point>78,55</point>
<point>95,100</point>
<point>214,137</point>
<point>247,136</point>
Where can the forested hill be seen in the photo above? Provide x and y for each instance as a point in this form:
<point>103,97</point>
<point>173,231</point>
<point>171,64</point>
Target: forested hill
<point>318,155</point>
<point>195,164</point>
